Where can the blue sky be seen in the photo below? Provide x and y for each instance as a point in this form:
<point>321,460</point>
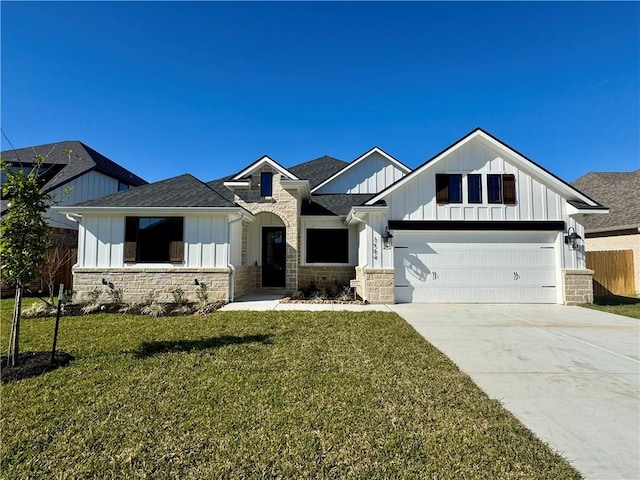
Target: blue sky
<point>209,87</point>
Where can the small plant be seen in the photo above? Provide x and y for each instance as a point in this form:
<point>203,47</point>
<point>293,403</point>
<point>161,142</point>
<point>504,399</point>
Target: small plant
<point>67,297</point>
<point>178,297</point>
<point>92,304</point>
<point>297,295</point>
<point>37,310</point>
<point>129,307</point>
<point>149,298</point>
<point>115,295</point>
<point>202,294</point>
<point>153,309</point>
<point>93,295</point>
<point>317,296</point>
<point>183,309</point>
<point>345,294</point>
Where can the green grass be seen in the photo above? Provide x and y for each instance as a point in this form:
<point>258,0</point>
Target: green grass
<point>257,395</point>
<point>627,306</point>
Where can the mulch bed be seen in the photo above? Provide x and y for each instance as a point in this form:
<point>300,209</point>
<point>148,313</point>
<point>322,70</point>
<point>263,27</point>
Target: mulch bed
<point>32,364</point>
<point>323,301</point>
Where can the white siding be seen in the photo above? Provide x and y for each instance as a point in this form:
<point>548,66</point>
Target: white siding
<point>323,222</point>
<point>416,199</point>
<point>101,241</point>
<point>370,175</point>
<point>86,187</point>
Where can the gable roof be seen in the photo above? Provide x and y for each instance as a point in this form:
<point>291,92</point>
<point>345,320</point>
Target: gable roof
<point>619,192</point>
<point>184,191</point>
<point>68,167</point>
<point>317,170</point>
<point>364,156</point>
<point>262,161</point>
<point>334,204</point>
<point>560,184</point>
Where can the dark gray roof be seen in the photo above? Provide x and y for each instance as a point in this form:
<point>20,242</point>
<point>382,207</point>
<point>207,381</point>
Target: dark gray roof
<point>182,191</point>
<point>218,186</point>
<point>334,204</point>
<point>619,192</point>
<point>318,170</point>
<point>60,168</point>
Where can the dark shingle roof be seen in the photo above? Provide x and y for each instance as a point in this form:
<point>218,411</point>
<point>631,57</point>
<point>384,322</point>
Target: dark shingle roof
<point>182,191</point>
<point>318,170</point>
<point>218,186</point>
<point>65,167</point>
<point>334,204</point>
<point>619,192</point>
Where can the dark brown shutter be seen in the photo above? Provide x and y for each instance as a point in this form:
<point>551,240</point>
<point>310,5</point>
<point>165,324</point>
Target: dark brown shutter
<point>442,188</point>
<point>129,252</point>
<point>130,239</point>
<point>176,252</point>
<point>509,189</point>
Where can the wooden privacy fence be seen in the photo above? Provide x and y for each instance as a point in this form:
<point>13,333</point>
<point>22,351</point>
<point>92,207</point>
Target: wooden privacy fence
<point>612,272</point>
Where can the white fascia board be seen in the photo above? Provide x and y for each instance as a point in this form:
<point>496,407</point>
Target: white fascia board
<point>362,157</point>
<point>237,184</point>
<point>174,211</point>
<point>613,229</point>
<point>571,210</point>
<point>356,214</point>
<point>300,185</point>
<point>265,160</point>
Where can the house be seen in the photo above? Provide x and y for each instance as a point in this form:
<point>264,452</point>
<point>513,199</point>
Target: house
<point>478,222</point>
<point>72,172</point>
<point>620,230</point>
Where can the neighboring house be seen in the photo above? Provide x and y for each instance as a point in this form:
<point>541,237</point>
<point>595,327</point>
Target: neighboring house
<point>478,222</point>
<point>72,172</point>
<point>620,230</point>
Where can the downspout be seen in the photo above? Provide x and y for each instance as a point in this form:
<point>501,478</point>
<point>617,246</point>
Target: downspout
<point>232,279</point>
<point>366,263</point>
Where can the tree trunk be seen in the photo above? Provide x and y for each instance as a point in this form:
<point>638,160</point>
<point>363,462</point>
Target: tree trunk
<point>14,345</point>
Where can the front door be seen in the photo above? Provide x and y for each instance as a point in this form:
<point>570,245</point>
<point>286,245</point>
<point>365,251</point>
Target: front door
<point>274,257</point>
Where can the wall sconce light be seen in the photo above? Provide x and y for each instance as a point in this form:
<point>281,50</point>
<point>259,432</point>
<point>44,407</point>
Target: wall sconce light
<point>196,282</point>
<point>104,281</point>
<point>386,238</point>
<point>572,239</point>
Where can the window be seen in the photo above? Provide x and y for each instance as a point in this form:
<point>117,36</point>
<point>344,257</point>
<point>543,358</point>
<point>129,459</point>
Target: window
<point>153,239</point>
<point>327,245</point>
<point>474,188</point>
<point>501,189</point>
<point>449,188</point>
<point>266,184</point>
<point>122,186</point>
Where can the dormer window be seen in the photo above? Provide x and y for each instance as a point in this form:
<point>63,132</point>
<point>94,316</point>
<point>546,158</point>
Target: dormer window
<point>266,184</point>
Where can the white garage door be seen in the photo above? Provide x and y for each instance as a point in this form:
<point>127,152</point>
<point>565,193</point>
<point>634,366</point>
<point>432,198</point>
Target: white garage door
<point>475,267</point>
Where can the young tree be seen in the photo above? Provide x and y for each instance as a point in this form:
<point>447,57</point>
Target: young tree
<point>24,236</point>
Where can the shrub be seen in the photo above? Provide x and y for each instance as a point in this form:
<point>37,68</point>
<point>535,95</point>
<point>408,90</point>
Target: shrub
<point>153,309</point>
<point>38,309</point>
<point>115,295</point>
<point>178,296</point>
<point>202,294</point>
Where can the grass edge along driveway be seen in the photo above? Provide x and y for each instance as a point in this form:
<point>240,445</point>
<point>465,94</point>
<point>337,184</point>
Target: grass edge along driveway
<point>257,395</point>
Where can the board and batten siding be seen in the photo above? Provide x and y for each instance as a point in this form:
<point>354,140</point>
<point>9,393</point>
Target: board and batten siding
<point>417,199</point>
<point>86,187</point>
<point>371,175</point>
<point>101,241</point>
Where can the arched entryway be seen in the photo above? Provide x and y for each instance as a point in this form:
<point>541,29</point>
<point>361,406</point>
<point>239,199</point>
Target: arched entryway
<point>267,248</point>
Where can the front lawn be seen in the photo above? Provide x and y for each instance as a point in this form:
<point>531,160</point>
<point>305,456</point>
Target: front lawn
<point>627,306</point>
<point>256,395</point>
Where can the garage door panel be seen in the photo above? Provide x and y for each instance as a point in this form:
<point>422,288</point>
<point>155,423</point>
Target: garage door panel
<point>511,271</point>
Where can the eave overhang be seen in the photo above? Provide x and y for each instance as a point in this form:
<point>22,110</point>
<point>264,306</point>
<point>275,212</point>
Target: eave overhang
<point>172,211</point>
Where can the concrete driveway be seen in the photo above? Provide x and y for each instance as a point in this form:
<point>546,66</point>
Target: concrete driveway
<point>570,374</point>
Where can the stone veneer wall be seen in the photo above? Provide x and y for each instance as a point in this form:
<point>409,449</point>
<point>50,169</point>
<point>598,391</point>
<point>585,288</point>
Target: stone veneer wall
<point>245,280</point>
<point>577,286</point>
<point>285,205</point>
<point>377,284</point>
<point>324,277</point>
<point>138,283</point>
